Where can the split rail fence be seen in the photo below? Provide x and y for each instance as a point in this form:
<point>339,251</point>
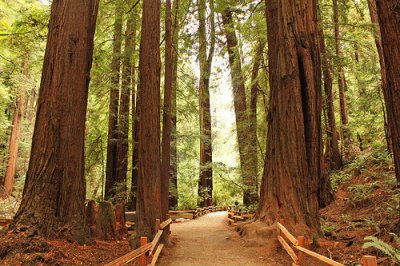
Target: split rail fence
<point>147,253</point>
<point>285,237</point>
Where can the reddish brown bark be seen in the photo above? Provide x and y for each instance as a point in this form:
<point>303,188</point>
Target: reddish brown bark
<point>14,138</point>
<point>292,170</point>
<point>53,201</point>
<point>205,187</point>
<point>389,22</point>
<point>148,205</point>
<point>111,165</point>
<point>248,155</point>
<point>333,152</point>
<point>378,43</point>
<point>166,132</point>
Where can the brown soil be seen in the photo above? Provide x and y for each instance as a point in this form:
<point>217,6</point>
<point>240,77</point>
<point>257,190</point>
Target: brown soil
<point>208,240</point>
<point>19,249</point>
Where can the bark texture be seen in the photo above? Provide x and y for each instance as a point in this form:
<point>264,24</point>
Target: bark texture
<point>53,202</point>
<point>247,154</point>
<point>205,61</point>
<point>389,22</point>
<point>111,165</point>
<point>148,205</point>
<point>292,170</point>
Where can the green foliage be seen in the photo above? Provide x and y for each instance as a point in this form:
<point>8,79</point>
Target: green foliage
<point>360,194</point>
<point>337,178</point>
<point>387,249</point>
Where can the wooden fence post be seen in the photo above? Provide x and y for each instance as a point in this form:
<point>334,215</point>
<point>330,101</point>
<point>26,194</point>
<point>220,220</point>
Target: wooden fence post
<point>369,261</point>
<point>300,243</point>
<point>144,258</point>
<point>168,229</point>
<point>158,222</point>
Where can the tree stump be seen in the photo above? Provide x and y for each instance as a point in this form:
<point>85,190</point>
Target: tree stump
<point>106,227</point>
<point>120,219</point>
<point>91,213</point>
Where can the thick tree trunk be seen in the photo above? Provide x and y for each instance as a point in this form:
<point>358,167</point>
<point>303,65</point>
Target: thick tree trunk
<point>333,152</point>
<point>248,171</point>
<point>123,116</point>
<point>106,225</point>
<point>292,170</point>
<point>53,202</point>
<point>14,138</point>
<point>166,132</point>
<point>205,61</point>
<point>344,116</point>
<point>378,42</point>
<point>173,199</point>
<point>111,165</point>
<point>389,22</point>
<point>148,205</point>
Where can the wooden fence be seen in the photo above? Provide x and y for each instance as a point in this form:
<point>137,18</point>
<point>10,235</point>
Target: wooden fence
<point>147,253</point>
<point>297,244</point>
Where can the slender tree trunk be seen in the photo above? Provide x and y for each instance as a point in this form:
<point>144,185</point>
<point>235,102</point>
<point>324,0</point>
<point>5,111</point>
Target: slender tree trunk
<point>173,200</point>
<point>166,132</point>
<point>248,171</point>
<point>53,201</point>
<point>378,42</point>
<point>344,116</point>
<point>389,22</point>
<point>205,61</point>
<point>123,116</point>
<point>292,170</point>
<point>334,156</point>
<point>15,132</point>
<point>111,165</point>
<point>148,205</point>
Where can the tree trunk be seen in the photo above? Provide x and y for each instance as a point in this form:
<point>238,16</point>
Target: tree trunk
<point>148,205</point>
<point>389,22</point>
<point>378,42</point>
<point>334,156</point>
<point>123,116</point>
<point>166,132</point>
<point>106,225</point>
<point>14,138</point>
<point>344,116</point>
<point>292,170</point>
<point>111,165</point>
<point>173,199</point>
<point>205,61</point>
<point>53,202</point>
<point>248,171</point>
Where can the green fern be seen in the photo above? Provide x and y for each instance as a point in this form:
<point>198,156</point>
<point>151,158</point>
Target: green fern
<point>383,247</point>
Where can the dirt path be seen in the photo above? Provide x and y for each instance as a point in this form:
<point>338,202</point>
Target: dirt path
<point>208,240</point>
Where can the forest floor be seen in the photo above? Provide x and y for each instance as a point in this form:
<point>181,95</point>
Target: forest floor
<point>209,241</point>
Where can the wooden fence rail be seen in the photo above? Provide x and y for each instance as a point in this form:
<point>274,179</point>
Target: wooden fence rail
<point>147,253</point>
<point>297,243</point>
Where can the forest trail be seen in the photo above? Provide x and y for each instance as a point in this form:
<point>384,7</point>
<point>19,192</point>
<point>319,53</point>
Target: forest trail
<point>209,241</point>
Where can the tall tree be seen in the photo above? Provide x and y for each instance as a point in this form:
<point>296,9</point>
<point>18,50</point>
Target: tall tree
<point>166,132</point>
<point>344,116</point>
<point>247,154</point>
<point>205,61</point>
<point>54,194</point>
<point>294,146</point>
<point>389,22</point>
<point>111,165</point>
<point>378,42</point>
<point>332,146</point>
<point>15,132</point>
<point>148,205</point>
<point>123,115</point>
<point>173,201</point>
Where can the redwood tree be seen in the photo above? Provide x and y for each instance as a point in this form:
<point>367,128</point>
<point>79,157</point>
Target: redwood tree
<point>54,193</point>
<point>289,188</point>
<point>205,61</point>
<point>111,164</point>
<point>148,205</point>
<point>389,22</point>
